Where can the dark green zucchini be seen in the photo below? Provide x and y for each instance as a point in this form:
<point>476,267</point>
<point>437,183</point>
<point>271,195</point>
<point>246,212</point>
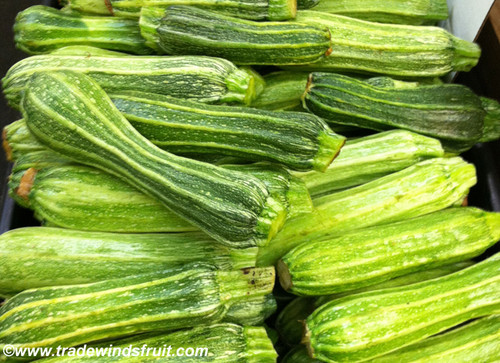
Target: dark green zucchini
<point>188,30</point>
<point>232,207</point>
<point>41,29</point>
<point>450,112</point>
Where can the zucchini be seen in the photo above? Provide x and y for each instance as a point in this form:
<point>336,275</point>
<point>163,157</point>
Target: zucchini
<point>491,130</point>
<point>398,50</point>
<point>251,312</point>
<point>412,12</point>
<point>41,29</point>
<point>380,253</point>
<point>405,194</point>
<point>149,21</point>
<point>34,257</point>
<point>307,4</point>
<point>350,329</point>
<point>451,113</point>
<point>188,30</point>
<point>164,300</point>
<point>232,207</point>
<point>202,78</point>
<point>367,158</point>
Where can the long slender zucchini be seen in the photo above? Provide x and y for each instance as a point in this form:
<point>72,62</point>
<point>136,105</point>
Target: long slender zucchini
<point>39,256</point>
<point>251,312</point>
<point>202,78</point>
<point>165,300</point>
<point>397,50</point>
<point>420,189</point>
<point>188,30</point>
<point>41,29</point>
<point>70,113</point>
<point>350,329</point>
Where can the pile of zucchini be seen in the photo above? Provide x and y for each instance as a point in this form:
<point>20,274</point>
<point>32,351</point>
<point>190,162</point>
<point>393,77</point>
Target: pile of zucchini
<point>182,156</point>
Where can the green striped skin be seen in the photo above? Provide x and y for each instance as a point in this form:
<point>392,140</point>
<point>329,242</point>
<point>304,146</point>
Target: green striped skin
<point>149,21</point>
<point>451,113</point>
<point>251,312</point>
<point>183,297</point>
<point>226,343</point>
<point>41,29</point>
<point>474,342</point>
<point>368,158</point>
<point>369,325</point>
<point>83,124</point>
<point>289,321</point>
<point>299,355</point>
<point>202,78</point>
<point>298,140</point>
<point>413,12</point>
<point>34,257</point>
<point>380,253</point>
<point>188,30</point>
<point>491,130</point>
<point>420,189</point>
<point>398,50</point>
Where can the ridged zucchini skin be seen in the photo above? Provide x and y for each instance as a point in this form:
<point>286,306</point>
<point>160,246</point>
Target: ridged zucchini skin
<point>395,50</point>
<point>232,207</point>
<point>295,139</point>
<point>413,12</point>
<point>451,113</point>
<point>474,342</point>
<point>35,257</point>
<point>351,328</point>
<point>41,29</point>
<point>188,30</point>
<point>202,78</point>
<point>423,188</point>
<point>183,297</point>
<point>251,312</point>
<point>380,253</point>
<point>367,158</point>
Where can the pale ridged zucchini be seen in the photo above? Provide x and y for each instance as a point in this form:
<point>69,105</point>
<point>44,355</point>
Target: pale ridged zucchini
<point>420,189</point>
<point>70,113</point>
<point>188,30</point>
<point>38,256</point>
<point>380,253</point>
<point>351,328</point>
<point>412,12</point>
<point>171,299</point>
<point>251,312</point>
<point>202,78</point>
<point>41,29</point>
<point>398,50</point>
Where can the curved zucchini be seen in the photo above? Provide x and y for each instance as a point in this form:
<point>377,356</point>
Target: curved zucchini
<point>251,312</point>
<point>350,329</point>
<point>165,300</point>
<point>41,29</point>
<point>232,207</point>
<point>202,78</point>
<point>188,30</point>
<point>397,50</point>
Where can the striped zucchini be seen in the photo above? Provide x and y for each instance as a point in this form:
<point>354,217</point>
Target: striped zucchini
<point>34,257</point>
<point>165,300</point>
<point>232,207</point>
<point>350,329</point>
<point>188,30</point>
<point>367,158</point>
<point>41,29</point>
<point>202,78</point>
<point>491,130</point>
<point>412,12</point>
<point>450,112</point>
<point>397,50</point>
<point>408,193</point>
<point>251,312</point>
<point>380,253</point>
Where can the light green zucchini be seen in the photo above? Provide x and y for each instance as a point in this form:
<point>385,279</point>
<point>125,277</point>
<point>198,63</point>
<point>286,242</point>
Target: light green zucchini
<point>70,113</point>
<point>202,78</point>
<point>251,312</point>
<point>41,29</point>
<point>351,328</point>
<point>34,257</point>
<point>398,50</point>
<point>423,188</point>
<point>183,297</point>
<point>412,12</point>
<point>188,30</point>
